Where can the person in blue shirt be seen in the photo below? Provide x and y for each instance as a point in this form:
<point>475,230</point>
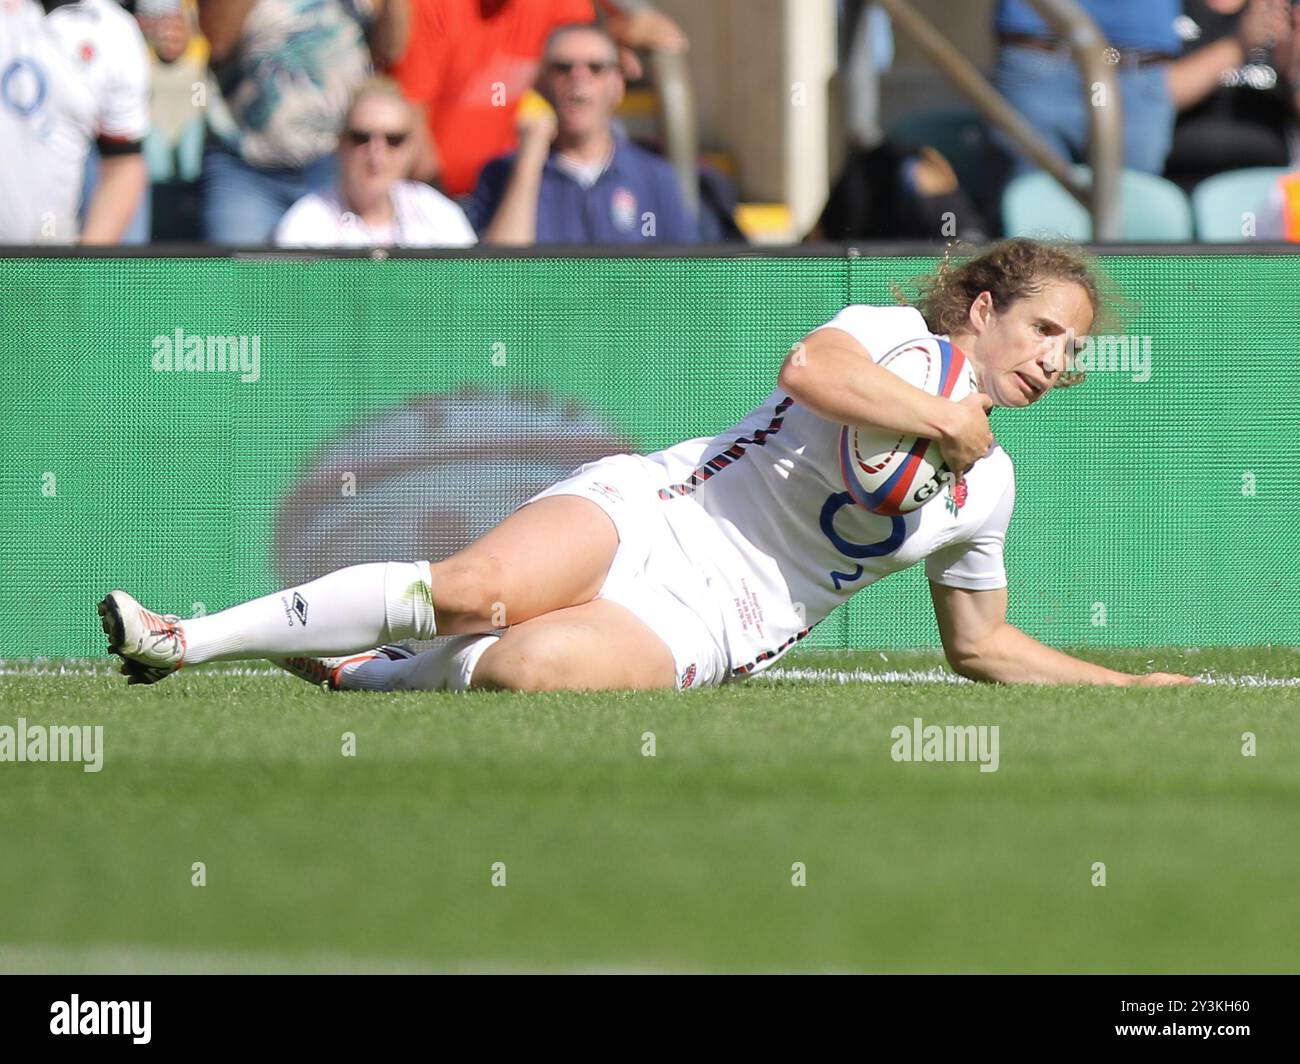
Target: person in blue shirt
<point>1038,76</point>
<point>574,179</point>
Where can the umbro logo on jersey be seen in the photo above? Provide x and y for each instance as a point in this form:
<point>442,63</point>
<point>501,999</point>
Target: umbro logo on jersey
<point>300,608</point>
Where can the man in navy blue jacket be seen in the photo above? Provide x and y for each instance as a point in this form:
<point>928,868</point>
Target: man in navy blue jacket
<point>574,180</point>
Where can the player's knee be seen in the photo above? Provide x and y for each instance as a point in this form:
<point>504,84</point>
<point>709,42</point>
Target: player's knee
<point>469,589</point>
<point>532,662</point>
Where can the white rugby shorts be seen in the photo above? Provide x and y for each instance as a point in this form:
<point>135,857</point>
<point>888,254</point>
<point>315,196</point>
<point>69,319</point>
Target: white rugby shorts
<point>652,574</point>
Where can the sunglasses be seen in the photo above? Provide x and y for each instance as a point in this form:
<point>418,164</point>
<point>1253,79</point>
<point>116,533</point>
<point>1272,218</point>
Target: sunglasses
<point>360,137</point>
<point>565,67</point>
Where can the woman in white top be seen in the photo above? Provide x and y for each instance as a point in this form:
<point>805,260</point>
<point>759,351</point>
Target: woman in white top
<point>705,562</point>
<point>372,205</point>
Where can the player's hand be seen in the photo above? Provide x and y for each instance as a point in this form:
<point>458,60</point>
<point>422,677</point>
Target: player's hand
<point>1162,679</point>
<point>968,436</point>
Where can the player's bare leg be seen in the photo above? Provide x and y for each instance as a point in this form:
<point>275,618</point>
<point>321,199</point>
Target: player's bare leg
<point>548,555</point>
<point>598,646</point>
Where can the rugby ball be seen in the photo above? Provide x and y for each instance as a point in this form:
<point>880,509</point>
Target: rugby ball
<point>890,474</point>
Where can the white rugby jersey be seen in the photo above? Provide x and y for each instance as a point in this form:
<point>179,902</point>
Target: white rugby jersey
<point>763,510</point>
<point>66,78</point>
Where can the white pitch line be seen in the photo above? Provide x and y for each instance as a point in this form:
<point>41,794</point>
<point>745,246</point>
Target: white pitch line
<point>86,667</point>
<point>106,667</point>
<point>1251,681</point>
<point>937,675</point>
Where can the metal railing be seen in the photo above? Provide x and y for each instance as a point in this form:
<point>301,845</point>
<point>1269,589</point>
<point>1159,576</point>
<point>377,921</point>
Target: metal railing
<point>1071,24</point>
<point>677,115</point>
<point>672,79</point>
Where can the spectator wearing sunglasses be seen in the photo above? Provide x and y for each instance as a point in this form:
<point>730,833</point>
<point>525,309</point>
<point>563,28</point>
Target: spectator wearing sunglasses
<point>574,179</point>
<point>468,63</point>
<point>372,205</point>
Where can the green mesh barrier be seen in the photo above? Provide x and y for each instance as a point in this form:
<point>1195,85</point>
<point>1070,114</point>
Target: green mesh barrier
<point>398,408</point>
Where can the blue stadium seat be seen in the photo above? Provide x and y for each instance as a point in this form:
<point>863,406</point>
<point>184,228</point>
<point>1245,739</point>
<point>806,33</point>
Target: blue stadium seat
<point>1219,203</point>
<point>1151,208</point>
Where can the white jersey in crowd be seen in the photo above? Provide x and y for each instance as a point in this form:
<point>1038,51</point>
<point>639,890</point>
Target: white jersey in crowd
<point>763,512</point>
<point>422,217</point>
<point>66,78</point>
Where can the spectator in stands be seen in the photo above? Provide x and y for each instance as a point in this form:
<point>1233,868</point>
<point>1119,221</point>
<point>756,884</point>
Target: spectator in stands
<point>285,71</point>
<point>75,74</point>
<point>573,179</point>
<point>178,117</point>
<point>166,26</point>
<point>372,205</point>
<point>469,63</point>
<point>1037,74</point>
<point>1233,88</point>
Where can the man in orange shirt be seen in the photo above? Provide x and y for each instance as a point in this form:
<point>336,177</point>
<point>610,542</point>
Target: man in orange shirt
<point>469,62</point>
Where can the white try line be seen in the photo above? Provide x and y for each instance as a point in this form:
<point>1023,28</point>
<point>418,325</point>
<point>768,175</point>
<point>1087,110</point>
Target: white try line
<point>83,667</point>
<point>936,675</point>
<point>86,667</point>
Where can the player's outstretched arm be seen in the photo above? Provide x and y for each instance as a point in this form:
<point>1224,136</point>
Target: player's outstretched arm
<point>980,644</point>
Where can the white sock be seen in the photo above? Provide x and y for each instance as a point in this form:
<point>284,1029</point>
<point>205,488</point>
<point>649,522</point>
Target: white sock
<point>447,667</point>
<point>346,611</point>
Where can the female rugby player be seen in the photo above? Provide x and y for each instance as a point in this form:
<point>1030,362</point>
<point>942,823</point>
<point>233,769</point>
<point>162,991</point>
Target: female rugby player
<point>705,562</point>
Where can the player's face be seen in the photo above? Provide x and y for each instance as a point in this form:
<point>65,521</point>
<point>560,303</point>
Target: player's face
<point>582,81</point>
<point>1021,350</point>
<point>375,148</point>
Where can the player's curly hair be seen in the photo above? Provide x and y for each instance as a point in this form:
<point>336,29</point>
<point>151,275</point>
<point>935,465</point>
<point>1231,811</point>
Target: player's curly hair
<point>1010,270</point>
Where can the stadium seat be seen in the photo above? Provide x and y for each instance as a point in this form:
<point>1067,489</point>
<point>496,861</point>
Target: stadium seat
<point>1219,202</point>
<point>1151,208</point>
<point>959,135</point>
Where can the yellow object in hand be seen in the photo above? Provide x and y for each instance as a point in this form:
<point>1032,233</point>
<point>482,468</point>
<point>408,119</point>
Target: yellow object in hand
<point>533,105</point>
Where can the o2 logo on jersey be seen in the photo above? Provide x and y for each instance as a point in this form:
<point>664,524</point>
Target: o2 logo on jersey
<point>891,543</point>
<point>23,87</point>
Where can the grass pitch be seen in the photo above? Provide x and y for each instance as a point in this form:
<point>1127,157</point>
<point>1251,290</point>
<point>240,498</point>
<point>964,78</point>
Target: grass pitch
<point>383,861</point>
